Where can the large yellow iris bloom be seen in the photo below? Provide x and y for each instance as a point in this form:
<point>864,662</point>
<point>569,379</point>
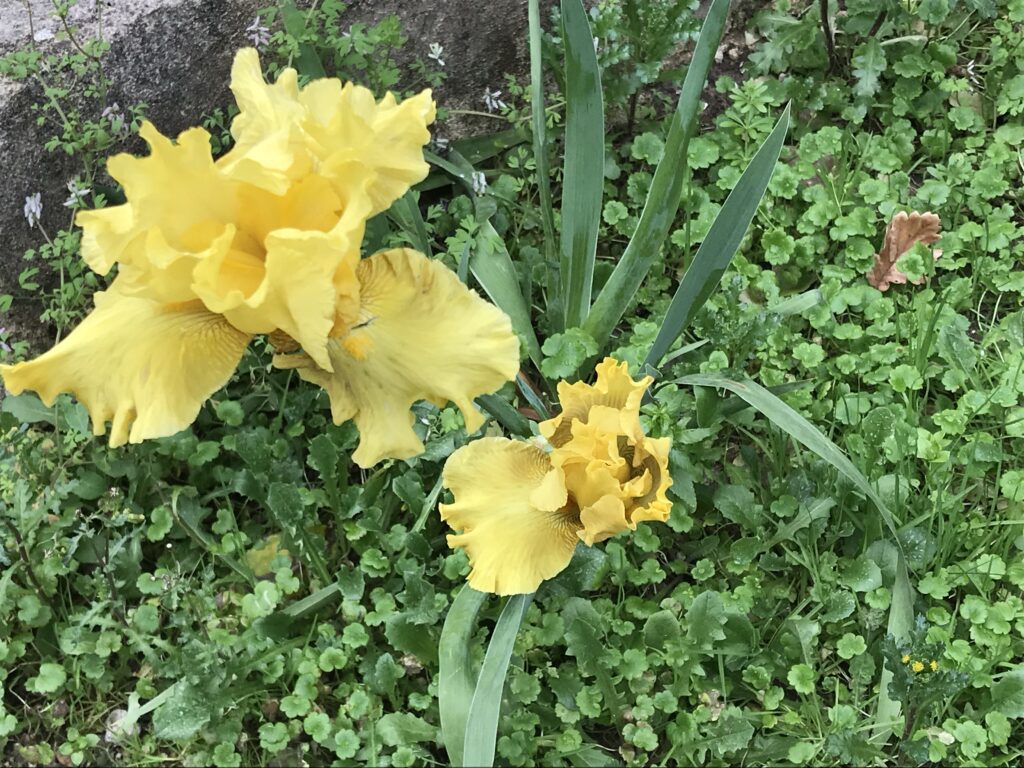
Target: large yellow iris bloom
<point>522,510</point>
<point>265,240</point>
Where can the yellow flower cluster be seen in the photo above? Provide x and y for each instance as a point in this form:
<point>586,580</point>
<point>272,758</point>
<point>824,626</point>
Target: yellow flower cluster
<point>919,666</point>
<point>266,240</point>
<point>522,510</point>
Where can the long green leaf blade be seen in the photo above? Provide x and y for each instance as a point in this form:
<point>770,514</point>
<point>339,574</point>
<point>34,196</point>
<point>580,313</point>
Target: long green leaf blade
<point>583,172</point>
<point>540,150</point>
<point>405,212</point>
<point>482,725</point>
<point>491,263</point>
<point>721,242</point>
<point>506,415</point>
<point>456,678</point>
<point>663,198</point>
<point>797,427</point>
<point>901,609</point>
<point>492,267</point>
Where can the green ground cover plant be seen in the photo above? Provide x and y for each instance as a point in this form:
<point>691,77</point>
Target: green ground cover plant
<point>242,594</point>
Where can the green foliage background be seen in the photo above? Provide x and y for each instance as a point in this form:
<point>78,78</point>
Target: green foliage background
<point>240,594</point>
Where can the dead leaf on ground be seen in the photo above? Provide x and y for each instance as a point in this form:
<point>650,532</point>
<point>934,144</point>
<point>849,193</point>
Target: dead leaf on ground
<point>903,232</point>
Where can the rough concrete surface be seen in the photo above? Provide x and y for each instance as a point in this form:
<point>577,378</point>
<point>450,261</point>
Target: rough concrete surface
<point>175,55</point>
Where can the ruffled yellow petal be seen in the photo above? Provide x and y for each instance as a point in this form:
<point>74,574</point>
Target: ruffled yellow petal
<point>614,388</point>
<point>358,137</point>
<point>269,150</point>
<point>146,367</point>
<point>166,274</point>
<point>176,189</point>
<point>298,294</point>
<point>652,456</point>
<point>603,519</point>
<point>616,476</point>
<point>507,507</point>
<point>340,132</point>
<point>421,335</point>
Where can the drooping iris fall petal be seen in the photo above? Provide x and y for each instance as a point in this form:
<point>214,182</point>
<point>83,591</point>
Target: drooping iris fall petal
<point>420,335</point>
<point>509,507</point>
<point>145,366</point>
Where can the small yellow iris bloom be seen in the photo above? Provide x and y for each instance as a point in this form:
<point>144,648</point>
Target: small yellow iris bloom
<point>522,511</point>
<point>266,240</point>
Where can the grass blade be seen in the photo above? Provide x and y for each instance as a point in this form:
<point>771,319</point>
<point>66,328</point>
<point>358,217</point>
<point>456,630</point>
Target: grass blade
<point>724,237</point>
<point>663,198</point>
<point>901,609</point>
<point>482,724</point>
<point>540,150</point>
<point>583,172</point>
<point>456,678</point>
<point>797,427</point>
<point>505,414</point>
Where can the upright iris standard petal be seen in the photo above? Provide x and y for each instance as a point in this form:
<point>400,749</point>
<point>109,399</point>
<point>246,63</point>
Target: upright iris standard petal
<point>269,150</point>
<point>145,366</point>
<point>511,511</point>
<point>340,131</point>
<point>421,335</point>
<point>614,388</point>
<point>357,136</point>
<point>176,189</point>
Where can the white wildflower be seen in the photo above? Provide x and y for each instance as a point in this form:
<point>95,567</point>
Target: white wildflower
<point>76,194</point>
<point>492,100</point>
<point>257,33</point>
<point>972,73</point>
<point>33,208</point>
<point>435,53</point>
<point>118,124</point>
<point>479,183</point>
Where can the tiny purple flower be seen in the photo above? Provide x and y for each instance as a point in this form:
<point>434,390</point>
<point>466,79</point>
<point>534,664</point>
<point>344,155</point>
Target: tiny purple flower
<point>257,33</point>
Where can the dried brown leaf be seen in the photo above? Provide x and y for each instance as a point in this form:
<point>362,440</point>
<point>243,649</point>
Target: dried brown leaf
<point>903,232</point>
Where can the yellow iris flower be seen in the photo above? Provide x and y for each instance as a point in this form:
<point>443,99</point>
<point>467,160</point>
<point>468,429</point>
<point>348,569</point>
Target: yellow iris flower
<point>522,510</point>
<point>266,240</point>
